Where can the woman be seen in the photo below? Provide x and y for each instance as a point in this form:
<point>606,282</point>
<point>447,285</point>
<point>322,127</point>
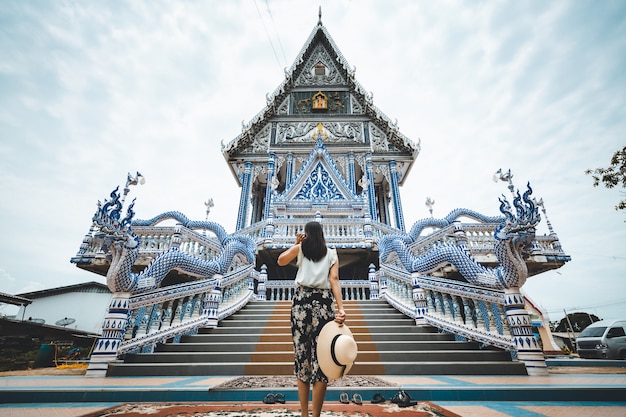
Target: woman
<point>317,281</point>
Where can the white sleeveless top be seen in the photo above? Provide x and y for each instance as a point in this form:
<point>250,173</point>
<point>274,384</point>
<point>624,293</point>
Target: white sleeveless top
<point>315,274</point>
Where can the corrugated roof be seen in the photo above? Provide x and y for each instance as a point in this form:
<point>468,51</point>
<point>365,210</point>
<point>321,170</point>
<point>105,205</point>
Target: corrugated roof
<point>93,287</point>
<point>14,299</point>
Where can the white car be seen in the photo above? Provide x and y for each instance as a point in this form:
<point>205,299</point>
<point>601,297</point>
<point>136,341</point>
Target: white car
<point>605,339</point>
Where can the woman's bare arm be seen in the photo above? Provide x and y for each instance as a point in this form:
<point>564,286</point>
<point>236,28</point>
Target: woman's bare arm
<point>291,253</point>
<point>340,316</point>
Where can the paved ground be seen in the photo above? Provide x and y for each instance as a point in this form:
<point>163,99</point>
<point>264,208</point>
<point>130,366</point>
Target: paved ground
<point>561,379</point>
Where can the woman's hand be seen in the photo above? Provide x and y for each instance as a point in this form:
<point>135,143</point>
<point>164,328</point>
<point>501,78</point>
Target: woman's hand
<point>291,253</point>
<point>340,316</point>
<point>300,237</point>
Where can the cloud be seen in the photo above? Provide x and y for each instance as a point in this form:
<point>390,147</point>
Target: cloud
<point>5,276</point>
<point>90,91</point>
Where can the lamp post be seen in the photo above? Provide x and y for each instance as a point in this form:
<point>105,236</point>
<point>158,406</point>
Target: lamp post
<point>505,177</point>
<point>430,203</point>
<point>130,180</point>
<point>209,204</point>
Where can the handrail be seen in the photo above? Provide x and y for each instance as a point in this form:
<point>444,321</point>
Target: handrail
<point>170,312</point>
<point>468,311</point>
<point>161,335</point>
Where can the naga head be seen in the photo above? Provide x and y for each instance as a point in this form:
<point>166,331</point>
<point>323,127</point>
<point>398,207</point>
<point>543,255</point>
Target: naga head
<point>111,230</point>
<point>519,227</point>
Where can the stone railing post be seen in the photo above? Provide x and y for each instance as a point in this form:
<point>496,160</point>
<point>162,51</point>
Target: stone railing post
<point>113,329</point>
<point>269,229</point>
<point>528,349</point>
<point>383,283</point>
<point>367,230</point>
<point>212,302</point>
<point>419,298</point>
<point>373,279</point>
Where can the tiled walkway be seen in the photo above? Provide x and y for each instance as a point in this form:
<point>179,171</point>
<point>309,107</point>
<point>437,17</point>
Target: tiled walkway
<point>47,393</point>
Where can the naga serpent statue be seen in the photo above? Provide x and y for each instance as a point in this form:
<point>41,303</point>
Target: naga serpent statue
<point>514,236</point>
<point>117,236</point>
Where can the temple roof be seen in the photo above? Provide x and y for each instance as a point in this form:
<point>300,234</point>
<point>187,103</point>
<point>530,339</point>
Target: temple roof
<point>343,78</point>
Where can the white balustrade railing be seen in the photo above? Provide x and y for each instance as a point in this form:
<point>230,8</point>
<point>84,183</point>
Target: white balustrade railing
<point>470,312</point>
<point>351,290</point>
<point>154,240</point>
<point>353,232</point>
<point>170,312</point>
<point>338,232</point>
<point>480,241</point>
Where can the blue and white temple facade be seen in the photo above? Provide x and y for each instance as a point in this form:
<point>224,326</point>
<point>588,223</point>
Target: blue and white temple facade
<point>320,150</point>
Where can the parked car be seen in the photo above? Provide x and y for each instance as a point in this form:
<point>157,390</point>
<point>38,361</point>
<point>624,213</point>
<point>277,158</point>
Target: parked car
<point>604,339</point>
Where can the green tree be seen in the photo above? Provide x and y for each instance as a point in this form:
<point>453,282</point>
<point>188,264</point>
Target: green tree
<point>614,175</point>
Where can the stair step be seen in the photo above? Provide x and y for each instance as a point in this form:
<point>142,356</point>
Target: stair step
<point>353,323</point>
<point>288,356</point>
<point>257,341</point>
<point>286,328</point>
<point>258,346</point>
<point>238,338</point>
<point>286,368</point>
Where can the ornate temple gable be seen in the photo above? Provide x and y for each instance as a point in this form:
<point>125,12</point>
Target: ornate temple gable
<point>319,179</point>
<point>319,186</point>
<point>320,69</point>
<point>346,108</point>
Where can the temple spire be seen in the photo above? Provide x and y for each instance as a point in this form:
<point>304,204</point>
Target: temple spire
<point>319,20</point>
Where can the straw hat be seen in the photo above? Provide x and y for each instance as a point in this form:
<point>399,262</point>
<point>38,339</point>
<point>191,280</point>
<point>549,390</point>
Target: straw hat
<point>336,350</point>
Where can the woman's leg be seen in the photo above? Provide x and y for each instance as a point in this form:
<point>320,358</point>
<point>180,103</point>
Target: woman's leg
<point>319,393</point>
<point>301,320</point>
<point>324,313</point>
<point>303,396</point>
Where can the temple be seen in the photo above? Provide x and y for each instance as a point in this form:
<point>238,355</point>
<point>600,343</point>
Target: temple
<point>321,150</point>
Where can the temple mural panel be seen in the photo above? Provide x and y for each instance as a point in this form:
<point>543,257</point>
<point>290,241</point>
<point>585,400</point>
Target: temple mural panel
<point>322,101</point>
<point>333,132</point>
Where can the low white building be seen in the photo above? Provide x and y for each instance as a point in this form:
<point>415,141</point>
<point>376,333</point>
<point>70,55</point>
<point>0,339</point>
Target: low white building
<point>80,306</point>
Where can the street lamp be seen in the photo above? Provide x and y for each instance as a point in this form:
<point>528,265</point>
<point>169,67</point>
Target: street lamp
<point>504,176</point>
<point>130,180</point>
<point>209,204</point>
<point>430,203</point>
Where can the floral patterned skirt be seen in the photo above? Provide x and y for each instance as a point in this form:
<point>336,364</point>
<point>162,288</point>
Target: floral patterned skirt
<point>312,308</point>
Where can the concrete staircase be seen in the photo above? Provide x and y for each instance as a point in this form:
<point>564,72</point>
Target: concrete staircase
<point>257,341</point>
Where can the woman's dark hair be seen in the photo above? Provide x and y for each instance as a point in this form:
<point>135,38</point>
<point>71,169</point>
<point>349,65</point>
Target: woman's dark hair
<point>314,246</point>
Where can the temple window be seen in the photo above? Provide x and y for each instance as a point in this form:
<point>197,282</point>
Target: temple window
<point>320,69</point>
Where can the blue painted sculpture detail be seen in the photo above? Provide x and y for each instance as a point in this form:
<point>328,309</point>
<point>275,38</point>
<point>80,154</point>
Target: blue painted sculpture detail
<point>117,236</point>
<point>319,186</point>
<point>514,236</point>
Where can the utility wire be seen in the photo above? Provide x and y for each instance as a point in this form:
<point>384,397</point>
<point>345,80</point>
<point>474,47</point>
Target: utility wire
<point>614,257</point>
<point>611,303</point>
<point>269,11</point>
<point>268,36</point>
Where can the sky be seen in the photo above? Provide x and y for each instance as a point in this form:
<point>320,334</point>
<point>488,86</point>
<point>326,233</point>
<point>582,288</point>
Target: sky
<point>92,90</point>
